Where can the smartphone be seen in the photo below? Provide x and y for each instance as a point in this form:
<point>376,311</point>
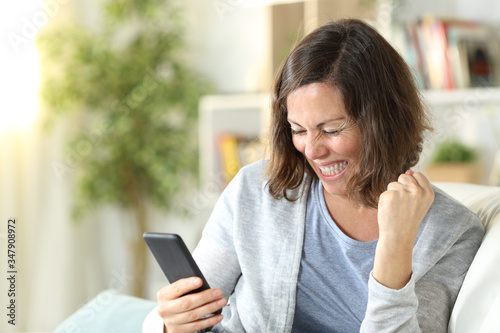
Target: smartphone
<point>174,258</point>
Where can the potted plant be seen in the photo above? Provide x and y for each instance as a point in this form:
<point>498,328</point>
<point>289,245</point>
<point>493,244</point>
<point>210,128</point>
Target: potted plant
<point>453,161</point>
<point>136,100</point>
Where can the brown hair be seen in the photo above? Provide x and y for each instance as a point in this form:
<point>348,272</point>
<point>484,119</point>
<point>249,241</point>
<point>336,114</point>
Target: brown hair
<point>380,97</point>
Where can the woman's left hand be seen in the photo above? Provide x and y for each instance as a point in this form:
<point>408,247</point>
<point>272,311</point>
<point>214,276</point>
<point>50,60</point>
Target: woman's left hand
<point>401,210</point>
<point>403,206</point>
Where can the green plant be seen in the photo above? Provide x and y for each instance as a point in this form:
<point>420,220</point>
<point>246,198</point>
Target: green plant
<point>454,151</point>
<point>129,85</point>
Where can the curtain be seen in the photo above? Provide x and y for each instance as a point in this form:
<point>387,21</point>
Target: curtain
<point>53,267</point>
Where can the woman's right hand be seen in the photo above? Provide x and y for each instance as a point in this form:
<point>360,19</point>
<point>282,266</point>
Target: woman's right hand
<point>186,313</point>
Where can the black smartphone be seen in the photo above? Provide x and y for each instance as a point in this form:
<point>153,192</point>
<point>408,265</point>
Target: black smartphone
<point>174,258</point>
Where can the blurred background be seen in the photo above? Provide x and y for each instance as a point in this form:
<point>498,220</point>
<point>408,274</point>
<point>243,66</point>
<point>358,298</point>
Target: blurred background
<point>125,116</point>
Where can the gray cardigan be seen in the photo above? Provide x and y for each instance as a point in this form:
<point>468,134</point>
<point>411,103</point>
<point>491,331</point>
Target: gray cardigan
<point>251,248</point>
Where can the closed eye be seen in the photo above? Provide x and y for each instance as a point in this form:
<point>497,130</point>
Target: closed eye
<point>296,132</point>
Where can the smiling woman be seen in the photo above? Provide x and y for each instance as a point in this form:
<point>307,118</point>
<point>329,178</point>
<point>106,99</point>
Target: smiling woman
<point>338,235</point>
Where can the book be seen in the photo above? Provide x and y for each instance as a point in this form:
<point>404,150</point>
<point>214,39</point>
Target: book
<point>229,156</point>
<point>453,53</point>
<point>434,45</point>
<point>475,49</point>
<point>236,152</point>
<point>413,54</point>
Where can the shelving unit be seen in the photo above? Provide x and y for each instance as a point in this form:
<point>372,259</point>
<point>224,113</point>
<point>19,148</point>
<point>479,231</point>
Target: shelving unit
<point>468,115</point>
<point>242,115</point>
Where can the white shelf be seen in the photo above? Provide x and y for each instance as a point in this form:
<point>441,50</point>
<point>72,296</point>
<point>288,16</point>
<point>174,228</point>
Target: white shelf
<point>486,95</point>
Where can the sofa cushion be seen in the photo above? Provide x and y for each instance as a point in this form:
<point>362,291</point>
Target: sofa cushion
<point>108,312</point>
<point>477,307</point>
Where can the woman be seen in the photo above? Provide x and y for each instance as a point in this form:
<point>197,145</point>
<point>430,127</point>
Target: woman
<point>334,233</point>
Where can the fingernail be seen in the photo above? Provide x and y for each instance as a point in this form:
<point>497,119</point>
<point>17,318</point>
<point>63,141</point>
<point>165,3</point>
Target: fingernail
<point>221,302</point>
<point>195,281</point>
<point>217,293</point>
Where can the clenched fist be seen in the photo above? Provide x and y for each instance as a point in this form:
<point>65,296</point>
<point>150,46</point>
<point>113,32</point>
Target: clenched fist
<point>401,210</point>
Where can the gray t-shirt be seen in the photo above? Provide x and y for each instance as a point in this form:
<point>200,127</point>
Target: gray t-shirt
<point>332,288</point>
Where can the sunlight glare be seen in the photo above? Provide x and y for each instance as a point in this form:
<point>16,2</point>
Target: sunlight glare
<point>20,90</point>
<point>20,72</point>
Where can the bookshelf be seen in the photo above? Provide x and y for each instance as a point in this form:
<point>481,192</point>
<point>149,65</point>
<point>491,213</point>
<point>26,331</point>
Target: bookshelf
<point>239,115</point>
<point>463,98</point>
<point>450,53</point>
<point>470,115</point>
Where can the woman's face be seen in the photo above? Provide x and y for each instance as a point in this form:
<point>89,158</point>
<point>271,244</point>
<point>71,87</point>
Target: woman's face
<point>321,130</point>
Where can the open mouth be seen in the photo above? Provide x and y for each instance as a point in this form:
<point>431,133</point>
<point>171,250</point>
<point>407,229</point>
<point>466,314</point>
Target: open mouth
<point>333,169</point>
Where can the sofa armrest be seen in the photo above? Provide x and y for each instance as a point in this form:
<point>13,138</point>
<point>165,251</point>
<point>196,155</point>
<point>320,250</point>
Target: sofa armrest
<point>477,307</point>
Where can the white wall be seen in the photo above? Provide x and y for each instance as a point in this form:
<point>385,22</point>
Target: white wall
<point>228,43</point>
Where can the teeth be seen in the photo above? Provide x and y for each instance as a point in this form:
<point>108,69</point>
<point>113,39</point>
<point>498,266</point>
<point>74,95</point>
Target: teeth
<point>335,169</point>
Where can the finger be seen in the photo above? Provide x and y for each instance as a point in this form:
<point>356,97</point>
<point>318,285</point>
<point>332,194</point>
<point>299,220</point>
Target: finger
<point>417,182</point>
<point>395,186</point>
<point>178,288</point>
<point>407,180</point>
<point>190,302</point>
<point>423,181</point>
<point>420,179</point>
<point>201,324</point>
<point>199,312</point>
<point>194,301</point>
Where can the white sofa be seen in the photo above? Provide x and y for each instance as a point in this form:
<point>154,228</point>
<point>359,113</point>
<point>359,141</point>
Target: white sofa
<point>477,309</point>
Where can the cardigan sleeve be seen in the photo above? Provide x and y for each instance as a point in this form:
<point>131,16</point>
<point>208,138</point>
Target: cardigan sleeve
<point>153,323</point>
<point>425,303</point>
<point>391,310</point>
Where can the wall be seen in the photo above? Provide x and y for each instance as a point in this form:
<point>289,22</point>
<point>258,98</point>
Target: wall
<point>228,43</point>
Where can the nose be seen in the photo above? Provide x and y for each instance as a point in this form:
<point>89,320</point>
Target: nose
<point>315,148</point>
